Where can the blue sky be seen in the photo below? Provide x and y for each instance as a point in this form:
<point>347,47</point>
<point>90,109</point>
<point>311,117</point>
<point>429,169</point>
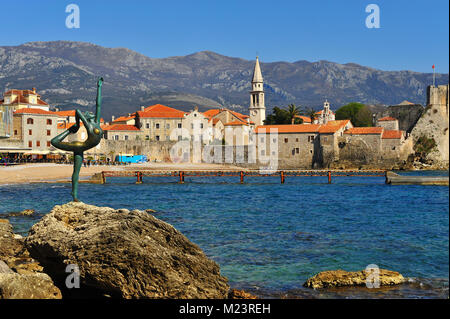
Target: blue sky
<point>413,35</point>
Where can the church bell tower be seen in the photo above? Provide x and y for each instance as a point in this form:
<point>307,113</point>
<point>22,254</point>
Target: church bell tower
<point>257,107</point>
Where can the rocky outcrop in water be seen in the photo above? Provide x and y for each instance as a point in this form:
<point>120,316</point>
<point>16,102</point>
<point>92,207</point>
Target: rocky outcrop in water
<point>122,253</point>
<point>21,276</point>
<point>341,278</point>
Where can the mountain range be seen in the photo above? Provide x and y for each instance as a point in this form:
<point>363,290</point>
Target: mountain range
<point>65,74</point>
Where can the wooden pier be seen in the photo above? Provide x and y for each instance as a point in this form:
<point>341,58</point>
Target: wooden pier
<point>283,174</point>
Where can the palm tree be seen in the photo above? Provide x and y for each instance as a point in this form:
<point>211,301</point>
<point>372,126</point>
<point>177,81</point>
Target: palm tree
<point>293,112</point>
<point>311,113</point>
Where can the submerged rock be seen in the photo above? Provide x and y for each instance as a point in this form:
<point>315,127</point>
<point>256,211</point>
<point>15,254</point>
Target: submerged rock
<point>122,253</point>
<point>340,278</point>
<point>240,294</point>
<point>25,212</point>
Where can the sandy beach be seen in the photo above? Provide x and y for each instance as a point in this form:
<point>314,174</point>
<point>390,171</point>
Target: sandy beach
<point>47,172</point>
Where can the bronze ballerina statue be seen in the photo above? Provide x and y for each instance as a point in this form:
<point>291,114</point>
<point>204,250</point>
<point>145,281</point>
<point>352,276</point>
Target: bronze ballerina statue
<point>92,124</point>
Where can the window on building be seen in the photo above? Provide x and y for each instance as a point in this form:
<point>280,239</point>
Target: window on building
<point>293,151</point>
<point>30,132</point>
<point>179,125</point>
<point>157,137</point>
<point>48,132</point>
<point>38,143</point>
<point>147,125</point>
<point>126,137</point>
<point>274,140</point>
<point>147,137</point>
<point>273,152</point>
<point>30,144</point>
<point>325,139</point>
<point>49,144</point>
<point>262,139</point>
<point>286,140</point>
<point>311,138</point>
<point>167,126</point>
<point>30,121</point>
<point>297,150</point>
<point>157,125</point>
<point>15,132</point>
<point>310,151</point>
<point>49,122</point>
<point>201,125</point>
<point>262,152</point>
<point>296,139</point>
<point>180,137</point>
<point>192,125</point>
<point>116,137</point>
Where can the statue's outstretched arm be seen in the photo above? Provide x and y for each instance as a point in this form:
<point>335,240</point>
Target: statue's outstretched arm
<point>80,116</point>
<point>99,100</point>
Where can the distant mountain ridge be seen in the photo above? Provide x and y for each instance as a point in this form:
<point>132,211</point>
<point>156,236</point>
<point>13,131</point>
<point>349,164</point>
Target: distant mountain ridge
<point>65,72</point>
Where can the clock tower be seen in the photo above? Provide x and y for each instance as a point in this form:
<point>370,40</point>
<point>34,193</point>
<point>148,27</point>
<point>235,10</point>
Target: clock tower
<point>257,107</point>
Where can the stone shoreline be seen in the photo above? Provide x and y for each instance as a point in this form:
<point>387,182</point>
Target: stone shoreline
<point>122,254</point>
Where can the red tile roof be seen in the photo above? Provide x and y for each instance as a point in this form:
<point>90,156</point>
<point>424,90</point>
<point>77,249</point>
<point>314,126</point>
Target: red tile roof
<point>119,127</point>
<point>392,134</point>
<point>33,111</point>
<point>364,130</point>
<point>212,112</point>
<point>304,118</point>
<point>387,118</point>
<point>235,123</point>
<point>288,128</point>
<point>22,97</point>
<point>125,118</point>
<point>333,126</point>
<point>66,113</point>
<point>160,111</point>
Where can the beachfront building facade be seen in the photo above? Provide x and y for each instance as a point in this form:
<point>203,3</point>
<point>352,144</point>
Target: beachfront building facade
<point>20,99</point>
<point>388,122</point>
<point>300,145</point>
<point>156,122</point>
<point>35,128</point>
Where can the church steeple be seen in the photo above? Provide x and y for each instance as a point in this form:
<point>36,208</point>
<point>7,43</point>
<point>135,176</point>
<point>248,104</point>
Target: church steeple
<point>257,107</point>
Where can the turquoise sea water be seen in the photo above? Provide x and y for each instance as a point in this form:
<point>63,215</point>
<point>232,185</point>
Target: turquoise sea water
<point>269,237</point>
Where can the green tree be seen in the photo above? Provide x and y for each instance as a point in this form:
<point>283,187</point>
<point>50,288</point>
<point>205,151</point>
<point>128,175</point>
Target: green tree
<point>283,116</point>
<point>359,114</point>
<point>311,113</point>
<point>293,111</point>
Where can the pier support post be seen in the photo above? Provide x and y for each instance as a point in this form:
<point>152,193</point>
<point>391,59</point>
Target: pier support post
<point>138,178</point>
<point>282,177</point>
<point>181,177</point>
<point>103,178</point>
<point>242,177</point>
<point>329,177</point>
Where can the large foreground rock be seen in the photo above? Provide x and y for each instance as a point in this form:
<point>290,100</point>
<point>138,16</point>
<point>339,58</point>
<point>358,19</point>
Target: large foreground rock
<point>341,278</point>
<point>21,276</point>
<point>122,253</point>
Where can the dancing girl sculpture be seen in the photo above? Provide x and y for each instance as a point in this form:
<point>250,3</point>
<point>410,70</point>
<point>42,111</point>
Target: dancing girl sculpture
<point>94,132</point>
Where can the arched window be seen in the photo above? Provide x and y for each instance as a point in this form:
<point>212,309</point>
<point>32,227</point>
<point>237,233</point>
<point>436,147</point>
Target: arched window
<point>30,121</point>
